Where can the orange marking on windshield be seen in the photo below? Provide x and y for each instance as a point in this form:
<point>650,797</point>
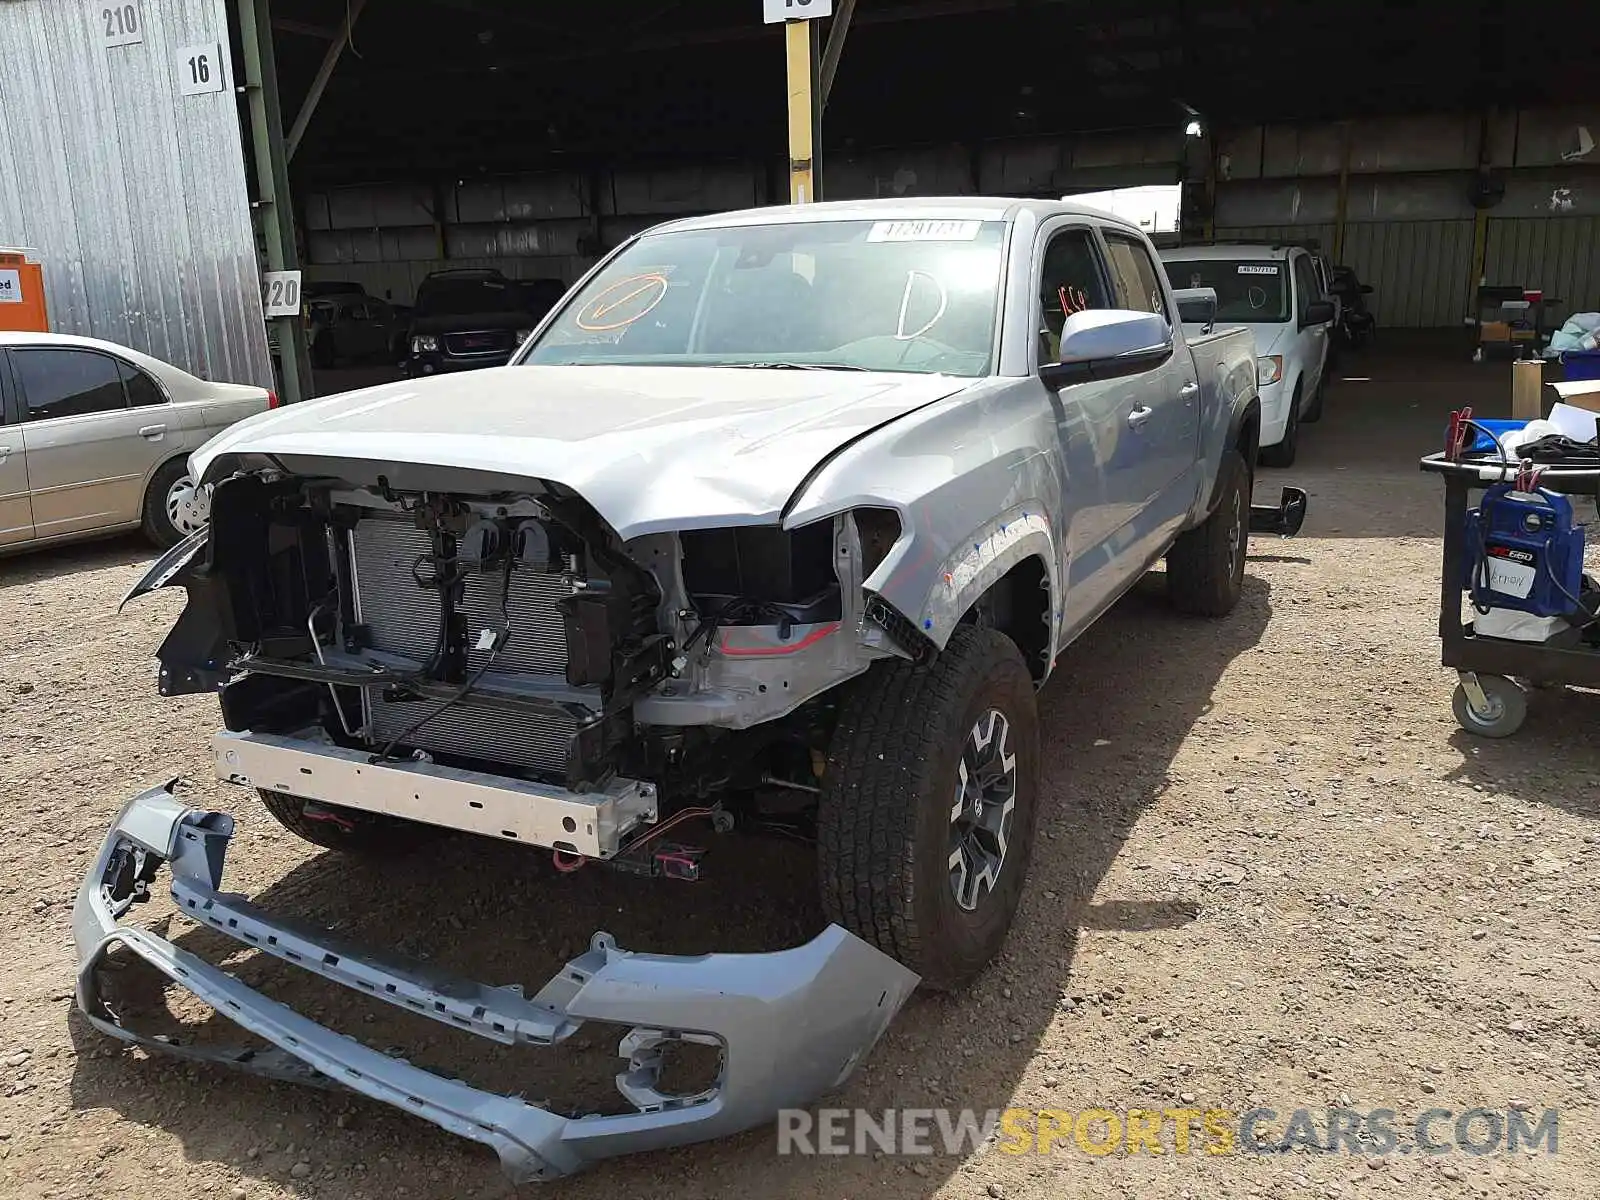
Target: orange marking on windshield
<point>601,306</point>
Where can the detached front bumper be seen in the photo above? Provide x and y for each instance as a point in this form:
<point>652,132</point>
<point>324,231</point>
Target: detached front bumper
<point>790,1025</point>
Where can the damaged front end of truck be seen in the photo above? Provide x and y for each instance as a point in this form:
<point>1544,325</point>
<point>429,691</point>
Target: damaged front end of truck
<point>400,650</point>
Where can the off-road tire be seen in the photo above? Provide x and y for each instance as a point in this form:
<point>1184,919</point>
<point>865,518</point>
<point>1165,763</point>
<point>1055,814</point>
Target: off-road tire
<point>1283,454</point>
<point>154,522</point>
<point>1205,567</point>
<point>368,834</point>
<point>884,816</point>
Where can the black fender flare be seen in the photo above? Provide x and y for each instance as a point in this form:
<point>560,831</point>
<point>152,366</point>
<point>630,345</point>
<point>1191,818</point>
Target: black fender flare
<point>1241,434</point>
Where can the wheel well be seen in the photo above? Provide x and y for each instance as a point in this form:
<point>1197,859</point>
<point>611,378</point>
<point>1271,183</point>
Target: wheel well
<point>1018,605</point>
<point>181,457</point>
<point>1249,442</point>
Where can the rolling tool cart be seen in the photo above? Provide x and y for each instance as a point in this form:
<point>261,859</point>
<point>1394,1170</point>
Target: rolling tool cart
<point>1518,557</point>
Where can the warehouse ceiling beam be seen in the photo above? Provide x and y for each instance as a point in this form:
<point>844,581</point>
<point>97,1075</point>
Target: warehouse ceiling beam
<point>330,60</point>
<point>837,32</point>
<point>324,33</point>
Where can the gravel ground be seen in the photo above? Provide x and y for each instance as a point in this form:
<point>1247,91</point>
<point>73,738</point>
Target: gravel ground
<point>1273,873</point>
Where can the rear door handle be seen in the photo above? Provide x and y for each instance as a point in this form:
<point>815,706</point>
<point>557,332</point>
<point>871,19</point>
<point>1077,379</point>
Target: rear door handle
<point>1139,416</point>
<point>1189,391</point>
<point>5,453</point>
<point>152,431</point>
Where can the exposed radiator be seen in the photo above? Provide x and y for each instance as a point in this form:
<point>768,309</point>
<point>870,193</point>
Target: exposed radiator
<point>403,619</point>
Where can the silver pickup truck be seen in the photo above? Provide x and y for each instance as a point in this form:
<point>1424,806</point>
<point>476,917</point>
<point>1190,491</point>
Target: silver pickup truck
<point>780,518</point>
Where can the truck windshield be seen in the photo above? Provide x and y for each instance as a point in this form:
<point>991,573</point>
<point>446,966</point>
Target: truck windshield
<point>919,296</point>
<point>1251,293</point>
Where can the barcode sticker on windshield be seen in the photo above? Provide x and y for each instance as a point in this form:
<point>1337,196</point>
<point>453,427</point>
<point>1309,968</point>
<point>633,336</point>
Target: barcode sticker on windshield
<point>1254,269</point>
<point>924,231</point>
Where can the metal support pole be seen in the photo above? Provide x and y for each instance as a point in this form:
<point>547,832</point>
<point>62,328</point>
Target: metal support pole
<point>272,185</point>
<point>837,32</point>
<point>319,84</point>
<point>800,38</point>
<point>1343,210</point>
<point>1480,218</point>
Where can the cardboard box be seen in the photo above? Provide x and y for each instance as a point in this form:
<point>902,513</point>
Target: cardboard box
<point>1580,393</point>
<point>1527,380</point>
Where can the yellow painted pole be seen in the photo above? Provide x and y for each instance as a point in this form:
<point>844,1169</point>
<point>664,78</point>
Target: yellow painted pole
<point>799,39</point>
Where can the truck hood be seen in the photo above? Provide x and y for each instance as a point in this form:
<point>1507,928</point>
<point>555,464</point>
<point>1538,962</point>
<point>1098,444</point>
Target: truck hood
<point>651,448</point>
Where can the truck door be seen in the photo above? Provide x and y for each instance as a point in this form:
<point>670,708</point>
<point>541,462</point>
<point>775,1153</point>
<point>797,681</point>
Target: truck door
<point>1104,494</point>
<point>1165,442</point>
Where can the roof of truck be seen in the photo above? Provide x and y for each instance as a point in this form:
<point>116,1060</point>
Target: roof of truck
<point>921,208</point>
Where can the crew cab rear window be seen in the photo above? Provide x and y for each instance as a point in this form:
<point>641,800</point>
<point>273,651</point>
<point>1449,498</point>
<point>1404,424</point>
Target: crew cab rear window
<point>1133,276</point>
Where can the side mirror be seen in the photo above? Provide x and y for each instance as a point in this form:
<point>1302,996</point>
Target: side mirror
<point>1197,306</point>
<point>1318,312</point>
<point>1106,344</point>
<point>1366,289</point>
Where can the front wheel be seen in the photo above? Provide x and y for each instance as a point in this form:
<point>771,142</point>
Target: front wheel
<point>1283,454</point>
<point>929,803</point>
<point>1314,409</point>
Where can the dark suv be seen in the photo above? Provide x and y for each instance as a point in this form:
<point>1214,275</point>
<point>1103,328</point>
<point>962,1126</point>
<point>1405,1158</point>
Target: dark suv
<point>472,318</point>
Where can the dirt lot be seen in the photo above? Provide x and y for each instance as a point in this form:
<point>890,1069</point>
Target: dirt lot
<point>1273,874</point>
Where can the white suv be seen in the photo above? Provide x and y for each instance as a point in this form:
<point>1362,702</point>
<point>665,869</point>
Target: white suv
<point>1274,292</point>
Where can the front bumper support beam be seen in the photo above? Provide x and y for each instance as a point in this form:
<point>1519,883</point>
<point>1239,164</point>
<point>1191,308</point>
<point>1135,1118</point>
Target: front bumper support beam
<point>791,1025</point>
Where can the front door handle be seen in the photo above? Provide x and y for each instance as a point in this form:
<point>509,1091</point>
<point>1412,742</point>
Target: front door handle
<point>1189,391</point>
<point>1139,416</point>
<point>5,453</point>
<point>153,432</point>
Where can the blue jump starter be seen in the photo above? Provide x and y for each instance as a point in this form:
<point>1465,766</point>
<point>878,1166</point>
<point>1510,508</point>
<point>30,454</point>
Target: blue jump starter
<point>1524,552</point>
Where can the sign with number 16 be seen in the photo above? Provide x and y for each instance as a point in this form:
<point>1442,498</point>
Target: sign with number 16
<point>200,70</point>
<point>774,11</point>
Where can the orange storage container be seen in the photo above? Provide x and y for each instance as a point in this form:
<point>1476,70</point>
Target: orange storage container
<point>22,305</point>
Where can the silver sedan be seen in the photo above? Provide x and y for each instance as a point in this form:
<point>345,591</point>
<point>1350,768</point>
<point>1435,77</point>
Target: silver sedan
<point>95,439</point>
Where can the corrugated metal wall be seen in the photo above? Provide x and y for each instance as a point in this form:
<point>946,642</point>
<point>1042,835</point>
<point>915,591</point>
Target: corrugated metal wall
<point>1419,270</point>
<point>553,224</point>
<point>1409,216</point>
<point>1559,254</point>
<point>132,195</point>
<point>1321,234</point>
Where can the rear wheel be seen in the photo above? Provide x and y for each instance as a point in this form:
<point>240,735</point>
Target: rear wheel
<point>929,804</point>
<point>1205,567</point>
<point>174,505</point>
<point>1283,454</point>
<point>346,829</point>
